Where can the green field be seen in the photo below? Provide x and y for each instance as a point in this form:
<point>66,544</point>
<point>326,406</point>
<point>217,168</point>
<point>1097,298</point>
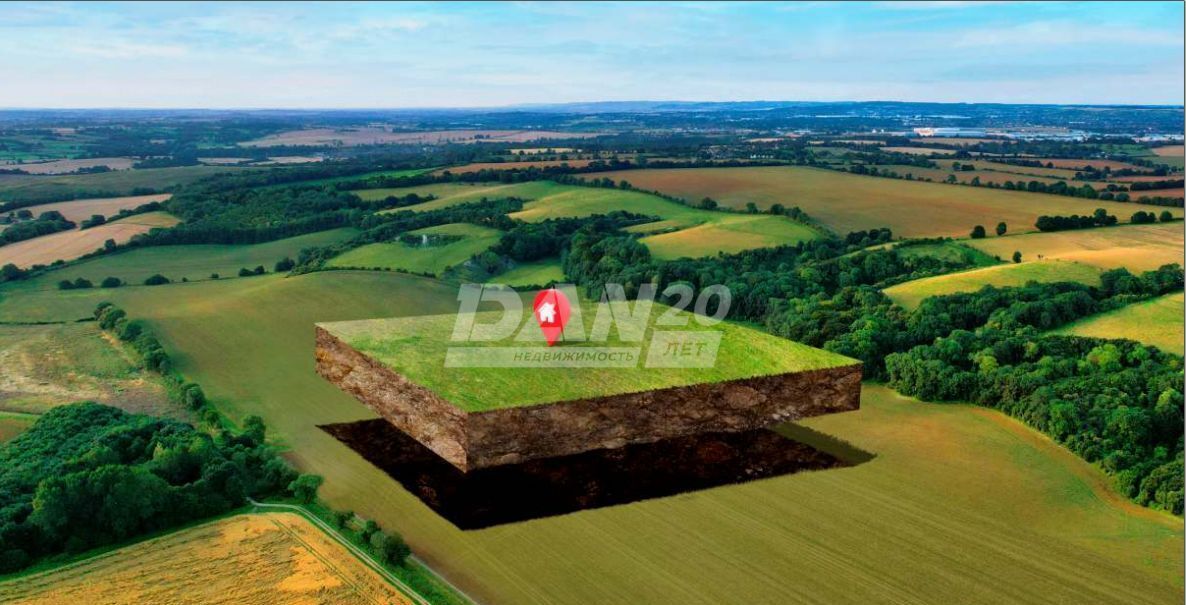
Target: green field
<point>433,259</point>
<point>538,273</point>
<point>680,231</point>
<point>50,365</point>
<point>193,262</point>
<point>354,177</point>
<point>31,188</point>
<point>950,251</point>
<point>452,194</point>
<point>1156,322</point>
<point>847,202</point>
<point>728,234</point>
<point>416,349</point>
<point>960,504</point>
<point>13,424</point>
<point>911,293</point>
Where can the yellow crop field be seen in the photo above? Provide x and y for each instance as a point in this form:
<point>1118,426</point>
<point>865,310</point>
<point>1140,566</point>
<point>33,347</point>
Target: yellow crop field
<point>911,293</point>
<point>1156,322</point>
<point>258,559</point>
<point>1136,247</point>
<point>848,202</point>
<point>78,210</point>
<point>69,245</point>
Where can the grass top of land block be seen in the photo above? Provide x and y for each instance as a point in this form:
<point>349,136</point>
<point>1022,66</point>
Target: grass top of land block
<point>416,348</point>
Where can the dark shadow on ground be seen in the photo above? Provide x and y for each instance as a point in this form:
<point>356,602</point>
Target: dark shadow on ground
<point>565,484</point>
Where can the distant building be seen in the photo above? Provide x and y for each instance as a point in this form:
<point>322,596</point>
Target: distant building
<point>1160,138</point>
<point>950,132</point>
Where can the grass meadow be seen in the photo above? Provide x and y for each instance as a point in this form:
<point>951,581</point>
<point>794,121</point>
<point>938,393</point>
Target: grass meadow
<point>416,349</point>
<point>911,293</point>
<point>959,504</point>
<point>14,423</point>
<point>193,262</point>
<point>847,202</point>
<point>1156,322</point>
<point>32,188</point>
<point>432,259</point>
<point>51,365</point>
<point>538,273</point>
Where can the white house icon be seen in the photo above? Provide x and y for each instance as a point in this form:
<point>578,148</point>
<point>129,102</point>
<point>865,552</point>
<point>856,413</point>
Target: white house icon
<point>547,313</point>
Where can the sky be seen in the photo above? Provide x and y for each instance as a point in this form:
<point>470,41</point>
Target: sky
<point>344,55</point>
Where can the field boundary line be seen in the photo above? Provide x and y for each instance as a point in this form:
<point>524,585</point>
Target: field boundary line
<point>362,555</point>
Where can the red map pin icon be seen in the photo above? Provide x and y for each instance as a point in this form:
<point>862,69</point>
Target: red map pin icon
<point>551,310</point>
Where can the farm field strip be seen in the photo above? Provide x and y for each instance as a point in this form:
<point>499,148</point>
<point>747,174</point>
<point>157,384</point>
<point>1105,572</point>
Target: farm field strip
<point>1156,322</point>
<point>69,245</point>
<point>193,262</point>
<point>730,234</point>
<point>911,293</point>
<point>78,210</point>
<point>374,136</point>
<point>919,150</point>
<point>847,202</point>
<point>33,188</point>
<point>68,166</point>
<point>265,558</point>
<point>1135,247</point>
<point>510,165</point>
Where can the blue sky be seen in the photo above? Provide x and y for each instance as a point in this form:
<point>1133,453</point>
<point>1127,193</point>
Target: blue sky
<point>488,54</point>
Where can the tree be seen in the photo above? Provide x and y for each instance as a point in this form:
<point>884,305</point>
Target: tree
<point>11,272</point>
<point>80,283</point>
<point>304,488</point>
<point>369,528</point>
<point>109,245</point>
<point>341,517</point>
<point>193,395</point>
<point>751,207</point>
<point>978,232</point>
<point>1002,228</point>
<point>285,264</point>
<point>1166,216</point>
<point>708,203</point>
<point>1141,217</point>
<point>245,272</point>
<point>156,280</point>
<point>778,209</point>
<point>254,427</point>
<point>1017,256</point>
<point>259,270</point>
<point>390,548</point>
<point>111,282</point>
